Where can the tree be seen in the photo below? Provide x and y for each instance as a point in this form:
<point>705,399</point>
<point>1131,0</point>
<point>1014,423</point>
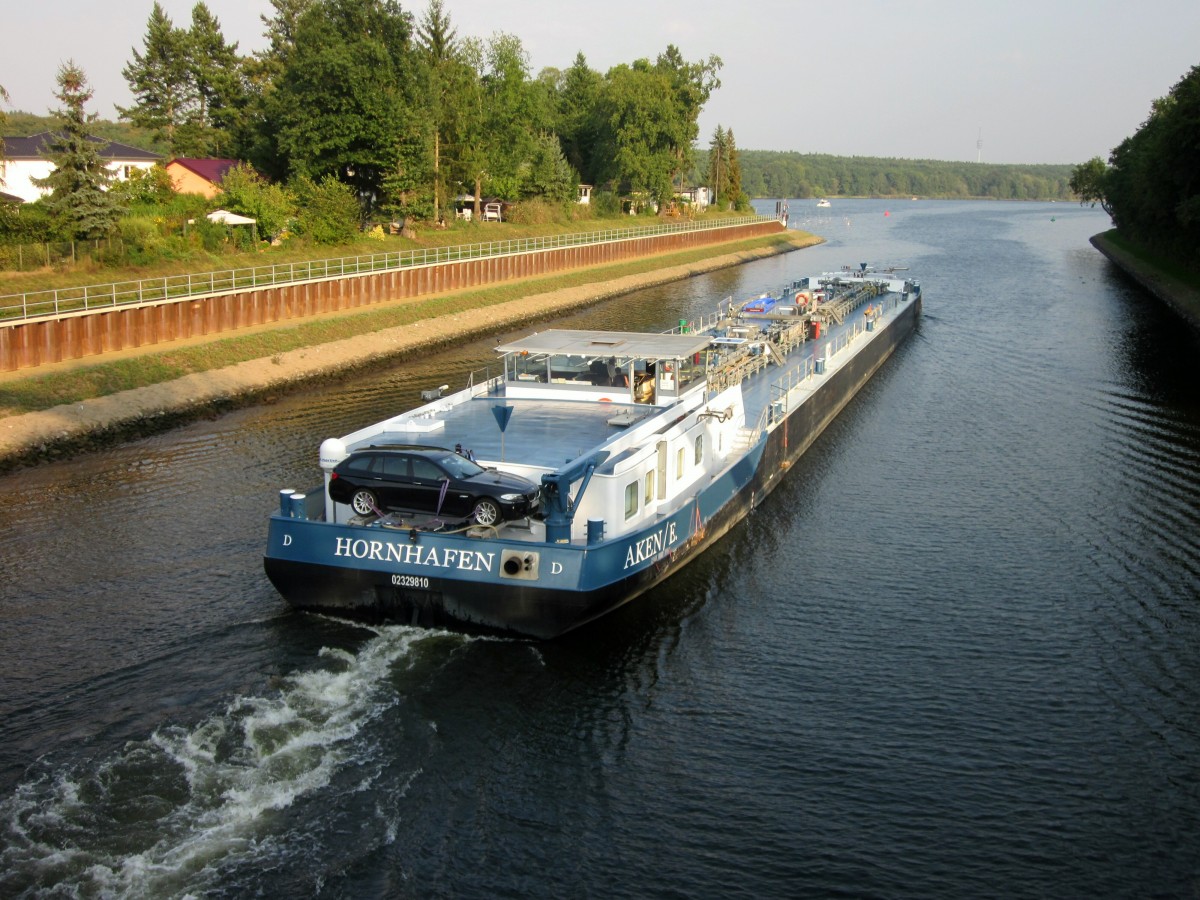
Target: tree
<point>733,186</point>
<point>161,81</point>
<point>637,143</point>
<point>218,83</point>
<point>718,165</point>
<point>1087,181</point>
<point>189,85</point>
<point>256,138</point>
<point>437,42</point>
<point>547,173</point>
<point>691,86</point>
<point>1153,184</point>
<point>578,129</point>
<point>281,31</point>
<point>498,116</point>
<point>513,115</point>
<point>78,201</point>
<point>343,103</point>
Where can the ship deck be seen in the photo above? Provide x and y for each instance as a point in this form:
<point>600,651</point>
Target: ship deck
<point>548,432</point>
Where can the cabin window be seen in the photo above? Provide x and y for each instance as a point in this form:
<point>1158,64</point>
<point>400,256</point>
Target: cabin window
<point>564,368</point>
<point>649,487</point>
<point>699,449</point>
<point>679,463</point>
<point>529,366</point>
<point>631,499</point>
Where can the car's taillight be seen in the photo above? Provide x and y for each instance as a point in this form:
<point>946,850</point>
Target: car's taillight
<point>333,476</point>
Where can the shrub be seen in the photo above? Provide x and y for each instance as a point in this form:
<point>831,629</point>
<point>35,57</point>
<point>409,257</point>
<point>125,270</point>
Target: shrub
<point>329,211</point>
<point>30,223</point>
<point>249,194</point>
<point>606,204</point>
<point>537,211</point>
<point>150,187</point>
<point>141,235</point>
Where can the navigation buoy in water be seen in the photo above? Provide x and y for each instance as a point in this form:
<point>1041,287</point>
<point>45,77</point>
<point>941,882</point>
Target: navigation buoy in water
<point>886,213</point>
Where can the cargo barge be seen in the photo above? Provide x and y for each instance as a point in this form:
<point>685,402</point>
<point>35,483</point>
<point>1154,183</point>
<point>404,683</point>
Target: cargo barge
<point>593,466</point>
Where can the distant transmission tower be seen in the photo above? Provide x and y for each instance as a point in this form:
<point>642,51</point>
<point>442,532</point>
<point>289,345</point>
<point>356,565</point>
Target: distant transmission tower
<point>979,147</point>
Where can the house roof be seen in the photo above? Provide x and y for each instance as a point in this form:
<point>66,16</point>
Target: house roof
<point>212,170</point>
<point>10,198</point>
<point>34,147</point>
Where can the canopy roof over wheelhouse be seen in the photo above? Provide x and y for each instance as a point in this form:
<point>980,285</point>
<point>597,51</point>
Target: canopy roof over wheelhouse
<point>627,344</point>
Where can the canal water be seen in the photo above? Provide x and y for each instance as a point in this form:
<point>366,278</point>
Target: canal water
<point>956,654</point>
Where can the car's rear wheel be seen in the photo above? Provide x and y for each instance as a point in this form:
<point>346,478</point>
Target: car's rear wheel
<point>363,502</point>
<point>486,512</point>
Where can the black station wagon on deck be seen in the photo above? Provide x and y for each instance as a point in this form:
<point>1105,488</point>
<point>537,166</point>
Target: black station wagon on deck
<point>430,480</point>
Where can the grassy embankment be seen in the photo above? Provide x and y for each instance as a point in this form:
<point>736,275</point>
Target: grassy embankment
<point>26,392</point>
<point>458,233</point>
<point>1163,265</point>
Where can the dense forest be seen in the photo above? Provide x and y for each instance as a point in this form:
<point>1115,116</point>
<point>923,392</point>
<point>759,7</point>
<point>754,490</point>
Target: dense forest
<point>770,174</point>
<point>1151,183</point>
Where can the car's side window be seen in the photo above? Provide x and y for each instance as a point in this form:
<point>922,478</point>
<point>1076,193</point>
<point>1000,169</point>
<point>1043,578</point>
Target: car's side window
<point>424,470</point>
<point>395,466</point>
<point>360,465</point>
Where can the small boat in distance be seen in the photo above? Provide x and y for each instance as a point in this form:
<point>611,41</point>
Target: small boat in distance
<point>592,467</point>
<point>823,204</point>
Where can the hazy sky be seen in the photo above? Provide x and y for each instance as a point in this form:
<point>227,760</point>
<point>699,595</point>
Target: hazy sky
<point>1053,81</point>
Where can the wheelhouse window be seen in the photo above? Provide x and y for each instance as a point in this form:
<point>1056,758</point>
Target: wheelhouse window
<point>679,463</point>
<point>699,449</point>
<point>649,487</point>
<point>631,499</point>
<point>529,367</point>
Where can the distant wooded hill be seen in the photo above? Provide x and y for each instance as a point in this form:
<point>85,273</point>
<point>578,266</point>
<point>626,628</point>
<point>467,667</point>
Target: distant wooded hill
<point>767,173</point>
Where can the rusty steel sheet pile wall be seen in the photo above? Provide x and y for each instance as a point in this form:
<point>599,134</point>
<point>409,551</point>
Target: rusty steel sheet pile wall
<point>37,342</point>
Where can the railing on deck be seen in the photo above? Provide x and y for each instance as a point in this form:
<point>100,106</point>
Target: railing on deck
<point>16,307</point>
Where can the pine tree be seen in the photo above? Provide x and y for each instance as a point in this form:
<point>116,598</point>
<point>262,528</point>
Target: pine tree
<point>733,183</point>
<point>161,81</point>
<point>79,201</point>
<point>718,165</point>
<point>218,82</point>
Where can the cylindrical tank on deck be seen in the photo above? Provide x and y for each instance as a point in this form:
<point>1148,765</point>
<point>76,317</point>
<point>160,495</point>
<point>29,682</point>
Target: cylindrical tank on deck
<point>595,531</point>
